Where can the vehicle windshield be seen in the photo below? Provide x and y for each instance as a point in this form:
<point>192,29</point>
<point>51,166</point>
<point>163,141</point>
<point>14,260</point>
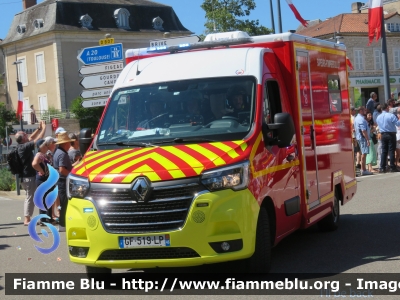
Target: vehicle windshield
<point>212,109</point>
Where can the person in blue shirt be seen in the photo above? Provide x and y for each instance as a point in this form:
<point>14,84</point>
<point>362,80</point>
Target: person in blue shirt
<point>377,111</point>
<point>387,123</point>
<point>362,133</point>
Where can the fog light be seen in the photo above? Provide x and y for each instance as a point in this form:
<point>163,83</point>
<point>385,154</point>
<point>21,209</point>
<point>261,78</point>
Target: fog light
<point>80,252</point>
<point>225,246</point>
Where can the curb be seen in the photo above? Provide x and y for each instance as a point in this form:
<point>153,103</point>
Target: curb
<point>12,195</point>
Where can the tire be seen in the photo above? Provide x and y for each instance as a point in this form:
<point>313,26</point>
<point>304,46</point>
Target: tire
<point>92,272</point>
<point>260,262</point>
<point>331,222</point>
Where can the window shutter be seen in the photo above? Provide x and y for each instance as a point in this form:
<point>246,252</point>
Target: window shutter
<point>396,58</point>
<point>40,68</point>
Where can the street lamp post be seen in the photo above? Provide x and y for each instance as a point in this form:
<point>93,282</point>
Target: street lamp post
<point>278,4</point>
<point>16,63</point>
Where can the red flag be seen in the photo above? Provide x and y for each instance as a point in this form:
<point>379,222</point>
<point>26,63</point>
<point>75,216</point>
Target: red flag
<point>296,13</point>
<point>375,14</point>
<point>20,100</point>
<point>348,62</point>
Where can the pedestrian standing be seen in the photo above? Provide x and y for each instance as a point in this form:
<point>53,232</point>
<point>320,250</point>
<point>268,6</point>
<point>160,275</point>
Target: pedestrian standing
<point>371,102</point>
<point>371,156</point>
<point>25,149</point>
<point>377,111</point>
<point>74,152</point>
<point>62,163</point>
<point>387,123</point>
<point>398,139</point>
<point>356,148</point>
<point>33,115</point>
<point>362,135</point>
<point>40,164</point>
<point>392,109</point>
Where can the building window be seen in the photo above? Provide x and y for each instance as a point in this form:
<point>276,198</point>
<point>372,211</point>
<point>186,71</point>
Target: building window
<point>43,105</point>
<point>21,28</point>
<point>86,21</point>
<point>396,58</point>
<point>157,23</point>
<point>40,67</point>
<point>377,59</point>
<point>38,23</point>
<point>121,16</point>
<point>393,27</point>
<point>22,71</point>
<point>358,59</point>
<point>26,110</point>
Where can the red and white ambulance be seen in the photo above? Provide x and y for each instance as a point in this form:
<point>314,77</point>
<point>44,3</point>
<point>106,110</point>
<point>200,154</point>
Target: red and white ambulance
<point>214,152</point>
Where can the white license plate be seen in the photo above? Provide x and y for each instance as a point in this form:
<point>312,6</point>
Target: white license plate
<point>161,240</point>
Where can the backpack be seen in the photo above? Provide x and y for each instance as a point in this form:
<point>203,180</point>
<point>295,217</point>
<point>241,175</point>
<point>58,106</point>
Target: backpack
<point>14,162</point>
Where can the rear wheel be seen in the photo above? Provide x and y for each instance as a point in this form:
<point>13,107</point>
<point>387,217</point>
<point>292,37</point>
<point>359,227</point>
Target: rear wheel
<point>331,222</point>
<point>260,262</point>
<point>96,272</point>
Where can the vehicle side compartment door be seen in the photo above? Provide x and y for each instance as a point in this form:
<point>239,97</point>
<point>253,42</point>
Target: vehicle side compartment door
<point>307,128</point>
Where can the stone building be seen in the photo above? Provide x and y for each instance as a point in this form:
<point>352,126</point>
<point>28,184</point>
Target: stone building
<point>351,29</point>
<point>46,38</point>
<point>3,86</point>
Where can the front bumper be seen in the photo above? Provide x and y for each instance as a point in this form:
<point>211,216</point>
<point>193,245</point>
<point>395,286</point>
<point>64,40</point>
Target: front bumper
<point>229,216</point>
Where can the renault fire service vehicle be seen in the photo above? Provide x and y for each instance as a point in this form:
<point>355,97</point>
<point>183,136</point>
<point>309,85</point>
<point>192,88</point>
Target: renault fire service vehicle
<point>213,152</point>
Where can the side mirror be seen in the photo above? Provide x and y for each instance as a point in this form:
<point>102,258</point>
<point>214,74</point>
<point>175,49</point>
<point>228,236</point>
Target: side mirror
<point>85,139</point>
<point>280,132</point>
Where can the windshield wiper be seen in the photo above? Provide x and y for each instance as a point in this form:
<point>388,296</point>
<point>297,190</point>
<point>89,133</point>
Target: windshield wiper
<point>138,144</point>
<point>154,144</point>
<point>184,140</point>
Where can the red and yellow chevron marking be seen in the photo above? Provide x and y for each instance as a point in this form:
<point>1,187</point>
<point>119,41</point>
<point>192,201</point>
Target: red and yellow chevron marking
<point>158,163</point>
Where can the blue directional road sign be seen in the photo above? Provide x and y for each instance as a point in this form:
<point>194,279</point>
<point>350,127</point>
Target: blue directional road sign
<point>101,54</point>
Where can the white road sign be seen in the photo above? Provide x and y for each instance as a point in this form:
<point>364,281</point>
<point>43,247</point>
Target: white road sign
<point>175,41</point>
<point>94,102</point>
<point>98,81</point>
<point>86,70</point>
<point>96,93</point>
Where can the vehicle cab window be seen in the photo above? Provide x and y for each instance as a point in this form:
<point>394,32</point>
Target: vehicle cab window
<point>272,101</point>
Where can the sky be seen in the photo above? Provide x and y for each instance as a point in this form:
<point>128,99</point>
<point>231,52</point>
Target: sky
<point>191,15</point>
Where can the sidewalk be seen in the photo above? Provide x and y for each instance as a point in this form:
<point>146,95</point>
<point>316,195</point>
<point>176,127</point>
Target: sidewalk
<point>12,195</point>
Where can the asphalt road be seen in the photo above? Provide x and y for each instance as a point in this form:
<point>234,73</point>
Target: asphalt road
<point>367,241</point>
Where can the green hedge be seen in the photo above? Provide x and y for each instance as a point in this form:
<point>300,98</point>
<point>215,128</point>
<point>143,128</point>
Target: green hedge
<point>7,180</point>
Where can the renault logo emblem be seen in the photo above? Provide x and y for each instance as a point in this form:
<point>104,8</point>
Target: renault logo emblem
<point>141,189</point>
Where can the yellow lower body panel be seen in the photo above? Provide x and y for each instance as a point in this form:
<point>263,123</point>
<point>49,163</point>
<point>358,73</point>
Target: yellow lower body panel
<point>222,216</point>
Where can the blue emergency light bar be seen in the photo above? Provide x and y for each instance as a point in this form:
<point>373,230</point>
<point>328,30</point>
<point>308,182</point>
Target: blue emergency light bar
<point>200,45</point>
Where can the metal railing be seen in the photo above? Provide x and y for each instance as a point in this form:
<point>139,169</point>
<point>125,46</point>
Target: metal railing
<point>47,115</point>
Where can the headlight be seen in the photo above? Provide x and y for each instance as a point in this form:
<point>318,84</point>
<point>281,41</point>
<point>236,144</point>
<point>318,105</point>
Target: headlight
<point>77,186</point>
<point>235,177</point>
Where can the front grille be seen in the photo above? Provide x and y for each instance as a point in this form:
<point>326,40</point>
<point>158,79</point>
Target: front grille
<point>166,209</point>
<point>148,253</point>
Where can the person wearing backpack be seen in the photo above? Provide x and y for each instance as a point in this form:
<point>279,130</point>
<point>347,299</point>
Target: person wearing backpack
<point>25,149</point>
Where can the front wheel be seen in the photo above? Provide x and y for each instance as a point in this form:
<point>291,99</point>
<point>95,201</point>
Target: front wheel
<point>260,262</point>
<point>331,221</point>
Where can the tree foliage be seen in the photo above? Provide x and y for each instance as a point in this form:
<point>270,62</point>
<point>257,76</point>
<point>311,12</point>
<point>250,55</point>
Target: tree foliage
<point>6,115</point>
<point>88,117</point>
<point>229,15</point>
